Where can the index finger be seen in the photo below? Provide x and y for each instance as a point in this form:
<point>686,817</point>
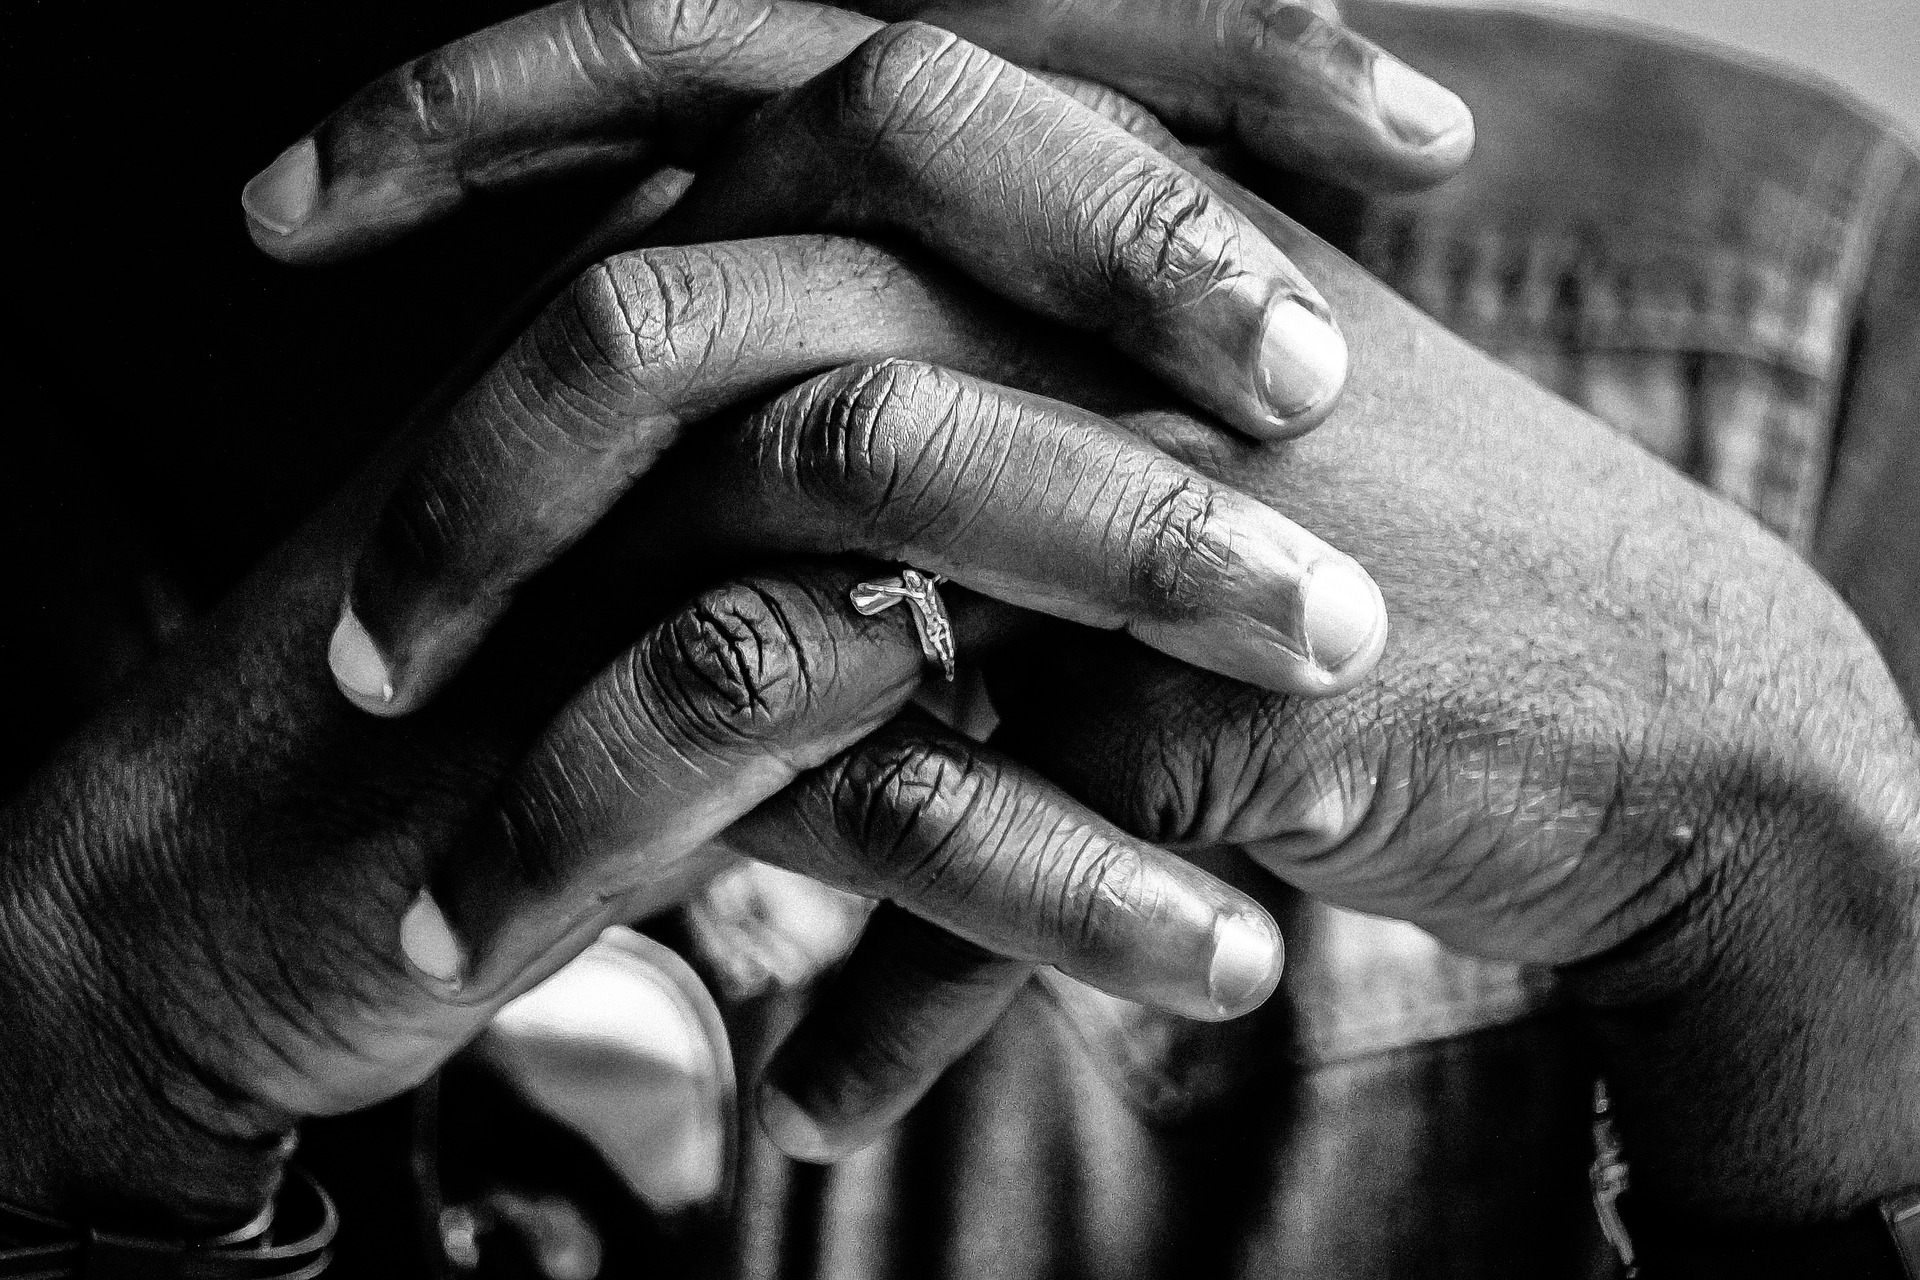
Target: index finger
<point>573,87</point>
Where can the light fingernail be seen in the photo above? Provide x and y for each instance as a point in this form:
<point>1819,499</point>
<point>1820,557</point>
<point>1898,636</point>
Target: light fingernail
<point>281,197</point>
<point>359,668</point>
<point>1303,360</point>
<point>1246,963</point>
<point>1425,114</point>
<point>792,1130</point>
<point>429,944</point>
<point>1342,612</point>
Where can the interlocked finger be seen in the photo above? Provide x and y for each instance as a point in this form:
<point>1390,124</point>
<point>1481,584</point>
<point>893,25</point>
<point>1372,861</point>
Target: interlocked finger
<point>1047,203</point>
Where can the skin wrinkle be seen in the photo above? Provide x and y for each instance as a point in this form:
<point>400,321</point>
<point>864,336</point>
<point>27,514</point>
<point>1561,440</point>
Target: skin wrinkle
<point>878,412</point>
<point>578,394</point>
<point>662,706</point>
<point>586,53</point>
<point>858,797</point>
<point>696,721</point>
<point>732,657</point>
<point>986,460</point>
<point>801,685</point>
<point>600,319</point>
<point>611,733</point>
<point>939,782</point>
<point>915,422</point>
<point>1001,846</point>
<point>431,89</point>
<point>1135,556</point>
<point>1752,701</point>
<point>606,314</point>
<point>977,422</point>
<point>949,122</point>
<point>545,804</point>
<point>519,397</point>
<point>1176,527</point>
<point>852,410</point>
<point>1090,891</point>
<point>884,81</point>
<point>162,982</point>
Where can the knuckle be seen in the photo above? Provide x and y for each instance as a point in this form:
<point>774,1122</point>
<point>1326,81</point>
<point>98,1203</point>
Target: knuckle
<point>902,83</point>
<point>887,64</point>
<point>731,668</point>
<point>557,391</point>
<point>636,314</point>
<point>1174,553</point>
<point>1089,886</point>
<point>1105,100</point>
<point>1311,28</point>
<point>1192,775</point>
<point>1303,768</point>
<point>648,31</point>
<point>682,309</point>
<point>864,439</point>
<point>1275,21</point>
<point>1167,236</point>
<point>899,804</point>
<point>623,342</point>
<point>437,90</point>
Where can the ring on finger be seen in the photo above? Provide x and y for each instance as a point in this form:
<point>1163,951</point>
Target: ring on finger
<point>921,593</point>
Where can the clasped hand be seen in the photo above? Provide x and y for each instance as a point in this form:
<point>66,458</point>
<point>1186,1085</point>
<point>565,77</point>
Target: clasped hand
<point>1550,764</point>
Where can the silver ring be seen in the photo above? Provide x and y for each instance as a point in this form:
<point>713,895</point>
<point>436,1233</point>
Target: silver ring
<point>930,619</point>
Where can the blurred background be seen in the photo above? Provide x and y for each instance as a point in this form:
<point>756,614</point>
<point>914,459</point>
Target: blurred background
<point>1870,47</point>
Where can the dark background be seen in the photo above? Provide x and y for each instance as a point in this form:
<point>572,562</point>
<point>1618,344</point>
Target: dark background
<point>176,403</point>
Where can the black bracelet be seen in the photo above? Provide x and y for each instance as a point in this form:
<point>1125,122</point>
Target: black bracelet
<point>290,1239</point>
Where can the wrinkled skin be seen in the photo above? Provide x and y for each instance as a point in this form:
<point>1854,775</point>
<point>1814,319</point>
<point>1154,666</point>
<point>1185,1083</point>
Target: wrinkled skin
<point>207,890</point>
<point>1574,755</point>
<point>1617,728</point>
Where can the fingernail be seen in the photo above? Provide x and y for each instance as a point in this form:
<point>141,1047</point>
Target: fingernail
<point>1246,963</point>
<point>1422,112</point>
<point>1303,360</point>
<point>792,1130</point>
<point>427,941</point>
<point>358,667</point>
<point>281,196</point>
<point>1342,611</point>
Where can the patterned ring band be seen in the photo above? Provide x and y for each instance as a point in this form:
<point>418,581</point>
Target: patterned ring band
<point>921,593</point>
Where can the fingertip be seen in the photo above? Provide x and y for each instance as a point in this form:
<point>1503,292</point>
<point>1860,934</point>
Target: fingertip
<point>792,1130</point>
<point>1422,113</point>
<point>1344,618</point>
<point>280,198</point>
<point>1302,368</point>
<point>359,668</point>
<point>430,946</point>
<point>1248,956</point>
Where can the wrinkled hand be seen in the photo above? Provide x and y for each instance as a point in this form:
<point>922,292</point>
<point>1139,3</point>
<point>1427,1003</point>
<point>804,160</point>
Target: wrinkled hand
<point>1617,729</point>
<point>213,924</point>
<point>594,84</point>
<point>216,919</point>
